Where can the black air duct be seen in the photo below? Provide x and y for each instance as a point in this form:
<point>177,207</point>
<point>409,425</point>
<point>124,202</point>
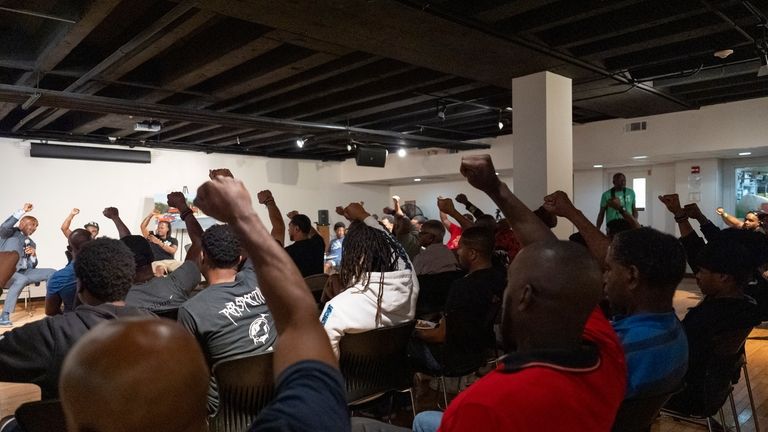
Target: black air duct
<point>40,150</point>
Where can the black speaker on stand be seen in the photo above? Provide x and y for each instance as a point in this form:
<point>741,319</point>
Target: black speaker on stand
<point>322,217</point>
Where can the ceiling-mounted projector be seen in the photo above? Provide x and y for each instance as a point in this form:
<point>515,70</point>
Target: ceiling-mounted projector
<point>148,126</point>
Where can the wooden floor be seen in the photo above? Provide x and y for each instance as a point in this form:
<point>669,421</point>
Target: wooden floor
<point>13,395</point>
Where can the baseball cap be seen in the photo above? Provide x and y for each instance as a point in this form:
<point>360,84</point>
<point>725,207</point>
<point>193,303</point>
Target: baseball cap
<point>93,224</point>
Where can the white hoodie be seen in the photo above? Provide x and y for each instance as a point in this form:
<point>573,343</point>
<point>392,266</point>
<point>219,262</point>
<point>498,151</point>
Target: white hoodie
<point>354,310</point>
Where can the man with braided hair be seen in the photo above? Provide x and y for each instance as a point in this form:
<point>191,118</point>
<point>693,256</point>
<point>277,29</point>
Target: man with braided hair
<point>229,318</point>
<point>380,284</point>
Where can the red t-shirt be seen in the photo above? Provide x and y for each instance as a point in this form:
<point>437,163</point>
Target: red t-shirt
<point>544,396</point>
<point>455,232</point>
<point>506,240</point>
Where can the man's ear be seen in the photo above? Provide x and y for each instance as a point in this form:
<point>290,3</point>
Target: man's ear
<point>525,299</point>
<point>633,277</point>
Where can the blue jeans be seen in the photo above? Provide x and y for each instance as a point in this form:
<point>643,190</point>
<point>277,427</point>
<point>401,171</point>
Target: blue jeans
<point>427,421</point>
<point>18,281</point>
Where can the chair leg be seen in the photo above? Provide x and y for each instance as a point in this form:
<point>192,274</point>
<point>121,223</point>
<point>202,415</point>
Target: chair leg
<point>751,399</point>
<point>445,396</point>
<point>709,423</point>
<point>413,402</point>
<point>722,418</point>
<point>733,411</point>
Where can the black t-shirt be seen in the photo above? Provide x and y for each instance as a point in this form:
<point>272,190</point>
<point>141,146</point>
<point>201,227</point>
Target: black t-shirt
<point>158,254</point>
<point>308,255</point>
<point>310,397</point>
<point>163,293</point>
<point>472,305</point>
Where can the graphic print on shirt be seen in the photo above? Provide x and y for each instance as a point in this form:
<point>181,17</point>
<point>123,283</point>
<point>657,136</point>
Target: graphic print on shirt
<point>259,330</point>
<point>240,306</point>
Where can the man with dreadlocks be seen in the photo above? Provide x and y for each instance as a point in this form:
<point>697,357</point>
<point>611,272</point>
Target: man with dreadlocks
<point>380,284</point>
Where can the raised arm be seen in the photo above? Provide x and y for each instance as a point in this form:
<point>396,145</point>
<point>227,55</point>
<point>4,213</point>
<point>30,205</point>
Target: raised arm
<point>729,219</point>
<point>476,212</point>
<point>114,214</point>
<point>402,223</point>
<point>275,218</point>
<point>6,228</point>
<point>68,221</point>
<point>631,218</point>
<point>559,204</point>
<point>145,223</point>
<point>447,209</point>
<point>195,231</point>
<point>672,203</point>
<point>290,301</point>
<point>480,173</point>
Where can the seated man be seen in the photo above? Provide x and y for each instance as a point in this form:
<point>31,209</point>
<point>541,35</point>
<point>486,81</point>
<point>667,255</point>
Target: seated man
<point>464,335</point>
<point>310,388</point>
<point>18,239</point>
<point>160,294</point>
<point>336,247</point>
<point>163,246</point>
<point>100,392</point>
<point>435,257</point>
<point>61,288</point>
<point>308,246</point>
<point>379,285</point>
<point>35,352</point>
<point>564,358</point>
<point>643,269</point>
<point>723,268</point>
<point>229,318</point>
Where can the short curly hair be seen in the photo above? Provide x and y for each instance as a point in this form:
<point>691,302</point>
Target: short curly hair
<point>105,268</point>
<point>221,247</point>
<point>659,257</point>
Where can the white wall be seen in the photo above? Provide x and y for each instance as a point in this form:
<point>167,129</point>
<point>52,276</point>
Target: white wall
<point>732,126</point>
<point>55,186</point>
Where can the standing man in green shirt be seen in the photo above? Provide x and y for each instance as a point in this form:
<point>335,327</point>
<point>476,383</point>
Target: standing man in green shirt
<point>623,194</point>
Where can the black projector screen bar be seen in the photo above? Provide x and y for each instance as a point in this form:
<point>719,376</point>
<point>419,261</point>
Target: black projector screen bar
<point>40,150</point>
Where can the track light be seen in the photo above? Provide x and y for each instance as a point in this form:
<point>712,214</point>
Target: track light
<point>401,152</point>
<point>763,71</point>
<point>300,142</point>
<point>349,147</point>
<point>441,108</point>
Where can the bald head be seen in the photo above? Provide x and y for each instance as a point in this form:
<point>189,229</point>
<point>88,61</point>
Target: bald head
<point>28,225</point>
<point>553,287</point>
<point>135,374</point>
<point>78,238</point>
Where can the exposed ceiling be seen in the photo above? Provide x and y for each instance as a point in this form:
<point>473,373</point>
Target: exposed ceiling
<point>251,77</point>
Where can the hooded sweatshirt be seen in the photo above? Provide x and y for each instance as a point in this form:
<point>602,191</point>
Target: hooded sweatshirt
<point>354,310</point>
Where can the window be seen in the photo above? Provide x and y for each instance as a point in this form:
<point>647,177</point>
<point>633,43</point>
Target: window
<point>638,185</point>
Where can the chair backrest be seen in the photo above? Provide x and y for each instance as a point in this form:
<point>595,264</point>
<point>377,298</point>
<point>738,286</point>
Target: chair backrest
<point>722,364</point>
<point>636,415</point>
<point>433,292</point>
<point>41,416</point>
<point>245,386</point>
<point>376,361</point>
<point>8,262</point>
<point>316,284</point>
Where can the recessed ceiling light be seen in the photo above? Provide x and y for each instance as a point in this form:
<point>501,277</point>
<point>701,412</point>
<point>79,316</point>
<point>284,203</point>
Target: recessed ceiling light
<point>639,157</point>
<point>745,153</point>
<point>417,179</point>
<point>597,166</point>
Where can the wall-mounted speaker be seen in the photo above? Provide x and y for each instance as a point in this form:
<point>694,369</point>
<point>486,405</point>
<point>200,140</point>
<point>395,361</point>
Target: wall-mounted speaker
<point>39,150</point>
<point>371,156</point>
<point>322,217</point>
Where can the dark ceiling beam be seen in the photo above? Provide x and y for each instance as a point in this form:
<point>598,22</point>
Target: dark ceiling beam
<point>605,8</point>
<point>589,34</point>
<point>61,42</point>
<point>650,44</point>
<point>721,84</point>
<point>749,93</point>
<point>510,9</point>
<point>336,67</point>
<point>670,55</point>
<point>711,73</point>
<point>119,55</point>
<point>351,102</point>
<point>399,35</point>
<point>99,104</point>
<point>743,87</point>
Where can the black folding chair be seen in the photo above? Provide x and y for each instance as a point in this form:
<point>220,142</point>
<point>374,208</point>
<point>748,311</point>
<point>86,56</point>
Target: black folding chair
<point>41,416</point>
<point>245,386</point>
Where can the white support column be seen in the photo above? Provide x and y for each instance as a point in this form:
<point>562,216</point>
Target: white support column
<point>542,140</point>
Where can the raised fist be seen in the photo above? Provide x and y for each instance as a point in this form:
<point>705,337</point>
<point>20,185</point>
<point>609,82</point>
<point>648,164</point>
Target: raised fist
<point>672,203</point>
<point>27,207</point>
<point>177,200</point>
<point>74,211</point>
<point>292,213</point>
<point>223,172</point>
<point>111,213</point>
<point>445,205</point>
<point>559,204</point>
<point>461,198</point>
<point>225,199</point>
<point>480,173</point>
<point>264,196</point>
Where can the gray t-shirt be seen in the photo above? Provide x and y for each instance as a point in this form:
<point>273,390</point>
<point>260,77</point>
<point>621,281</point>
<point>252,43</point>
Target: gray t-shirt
<point>163,293</point>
